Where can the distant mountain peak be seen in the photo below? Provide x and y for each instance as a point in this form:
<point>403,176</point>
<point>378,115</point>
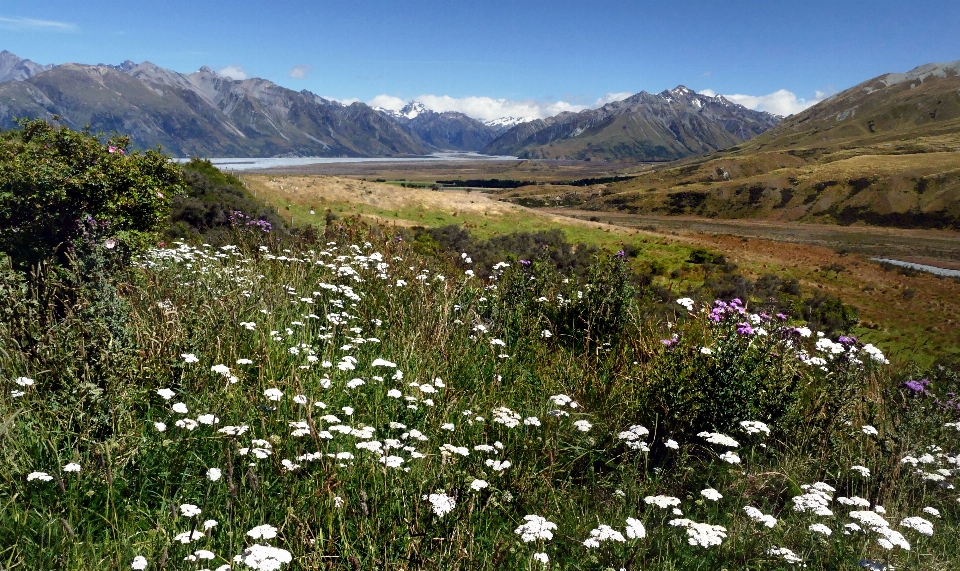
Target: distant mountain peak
<point>15,68</point>
<point>413,109</point>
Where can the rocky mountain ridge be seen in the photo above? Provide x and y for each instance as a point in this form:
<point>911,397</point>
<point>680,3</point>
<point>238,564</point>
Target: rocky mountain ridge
<point>206,114</point>
<point>669,125</point>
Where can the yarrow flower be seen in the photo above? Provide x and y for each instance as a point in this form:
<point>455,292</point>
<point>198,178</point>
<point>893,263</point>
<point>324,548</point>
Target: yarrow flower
<point>711,494</point>
<point>139,563</point>
<point>536,528</point>
<point>273,394</point>
<point>820,528</point>
<point>862,470</point>
<point>755,427</point>
<point>918,524</point>
<point>264,557</point>
<point>635,529</point>
<point>719,439</point>
<point>662,501</point>
<point>442,503</point>
<point>601,534</point>
<point>730,457</point>
<point>703,534</point>
<point>785,554</point>
<point>265,531</point>
<point>189,510</point>
<point>760,517</point>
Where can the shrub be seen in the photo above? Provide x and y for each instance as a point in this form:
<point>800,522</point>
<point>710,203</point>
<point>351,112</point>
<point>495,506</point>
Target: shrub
<point>216,203</point>
<point>57,185</point>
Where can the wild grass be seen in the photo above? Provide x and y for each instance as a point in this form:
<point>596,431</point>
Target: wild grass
<point>353,395</point>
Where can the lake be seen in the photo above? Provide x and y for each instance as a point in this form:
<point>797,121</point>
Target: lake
<point>246,164</point>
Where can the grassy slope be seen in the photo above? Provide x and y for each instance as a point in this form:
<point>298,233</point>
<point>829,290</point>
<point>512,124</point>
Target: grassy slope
<point>911,316</point>
<point>356,513</point>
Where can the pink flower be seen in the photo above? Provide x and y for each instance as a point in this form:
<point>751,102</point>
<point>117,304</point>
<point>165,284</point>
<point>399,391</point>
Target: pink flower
<point>111,149</point>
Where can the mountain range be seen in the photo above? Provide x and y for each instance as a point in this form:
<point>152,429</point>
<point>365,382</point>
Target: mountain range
<point>207,114</point>
<point>661,127</point>
<point>885,151</point>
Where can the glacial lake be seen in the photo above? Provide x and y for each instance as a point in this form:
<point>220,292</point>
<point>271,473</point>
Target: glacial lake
<point>245,164</point>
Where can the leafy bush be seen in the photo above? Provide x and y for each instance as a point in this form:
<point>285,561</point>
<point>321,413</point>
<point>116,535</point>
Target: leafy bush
<point>215,205</point>
<point>57,185</point>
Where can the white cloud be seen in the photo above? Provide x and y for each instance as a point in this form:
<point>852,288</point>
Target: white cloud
<point>299,71</point>
<point>387,102</point>
<point>233,72</point>
<point>483,108</point>
<point>35,25</point>
<point>611,97</point>
<point>780,102</point>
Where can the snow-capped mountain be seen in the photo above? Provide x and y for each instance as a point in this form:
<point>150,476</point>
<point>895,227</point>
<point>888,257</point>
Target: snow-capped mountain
<point>448,130</point>
<point>503,124</point>
<point>668,125</point>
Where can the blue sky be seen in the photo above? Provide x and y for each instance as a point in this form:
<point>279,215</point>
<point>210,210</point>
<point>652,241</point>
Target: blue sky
<point>493,58</point>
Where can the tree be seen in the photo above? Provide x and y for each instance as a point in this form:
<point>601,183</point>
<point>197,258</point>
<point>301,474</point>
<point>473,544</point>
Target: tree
<point>59,186</point>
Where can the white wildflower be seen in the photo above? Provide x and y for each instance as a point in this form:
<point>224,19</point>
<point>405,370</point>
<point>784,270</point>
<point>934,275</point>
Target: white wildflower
<point>711,494</point>
<point>441,502</point>
<point>535,528</point>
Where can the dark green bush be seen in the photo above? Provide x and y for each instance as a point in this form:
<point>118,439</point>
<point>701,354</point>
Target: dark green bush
<point>57,185</point>
<point>215,204</point>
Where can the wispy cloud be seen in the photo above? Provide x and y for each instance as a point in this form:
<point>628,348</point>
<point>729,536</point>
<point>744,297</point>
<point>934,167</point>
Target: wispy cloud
<point>299,71</point>
<point>31,24</point>
<point>780,102</point>
<point>233,72</point>
<point>611,97</point>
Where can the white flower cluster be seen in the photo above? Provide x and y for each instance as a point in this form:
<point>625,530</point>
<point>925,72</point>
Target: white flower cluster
<point>442,503</point>
<point>535,528</point>
<point>816,499</point>
<point>755,427</point>
<point>719,439</point>
<point>701,534</point>
<point>760,517</point>
<point>633,438</point>
<point>888,537</point>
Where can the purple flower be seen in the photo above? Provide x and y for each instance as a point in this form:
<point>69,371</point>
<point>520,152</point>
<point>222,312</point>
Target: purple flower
<point>744,328</point>
<point>621,254</point>
<point>917,387</point>
<point>847,340</point>
<point>671,342</point>
<point>525,262</point>
<point>782,316</point>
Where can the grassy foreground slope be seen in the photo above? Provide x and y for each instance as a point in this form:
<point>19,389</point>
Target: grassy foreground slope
<point>350,404</point>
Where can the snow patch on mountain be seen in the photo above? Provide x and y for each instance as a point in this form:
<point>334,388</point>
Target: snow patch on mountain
<point>507,121</point>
